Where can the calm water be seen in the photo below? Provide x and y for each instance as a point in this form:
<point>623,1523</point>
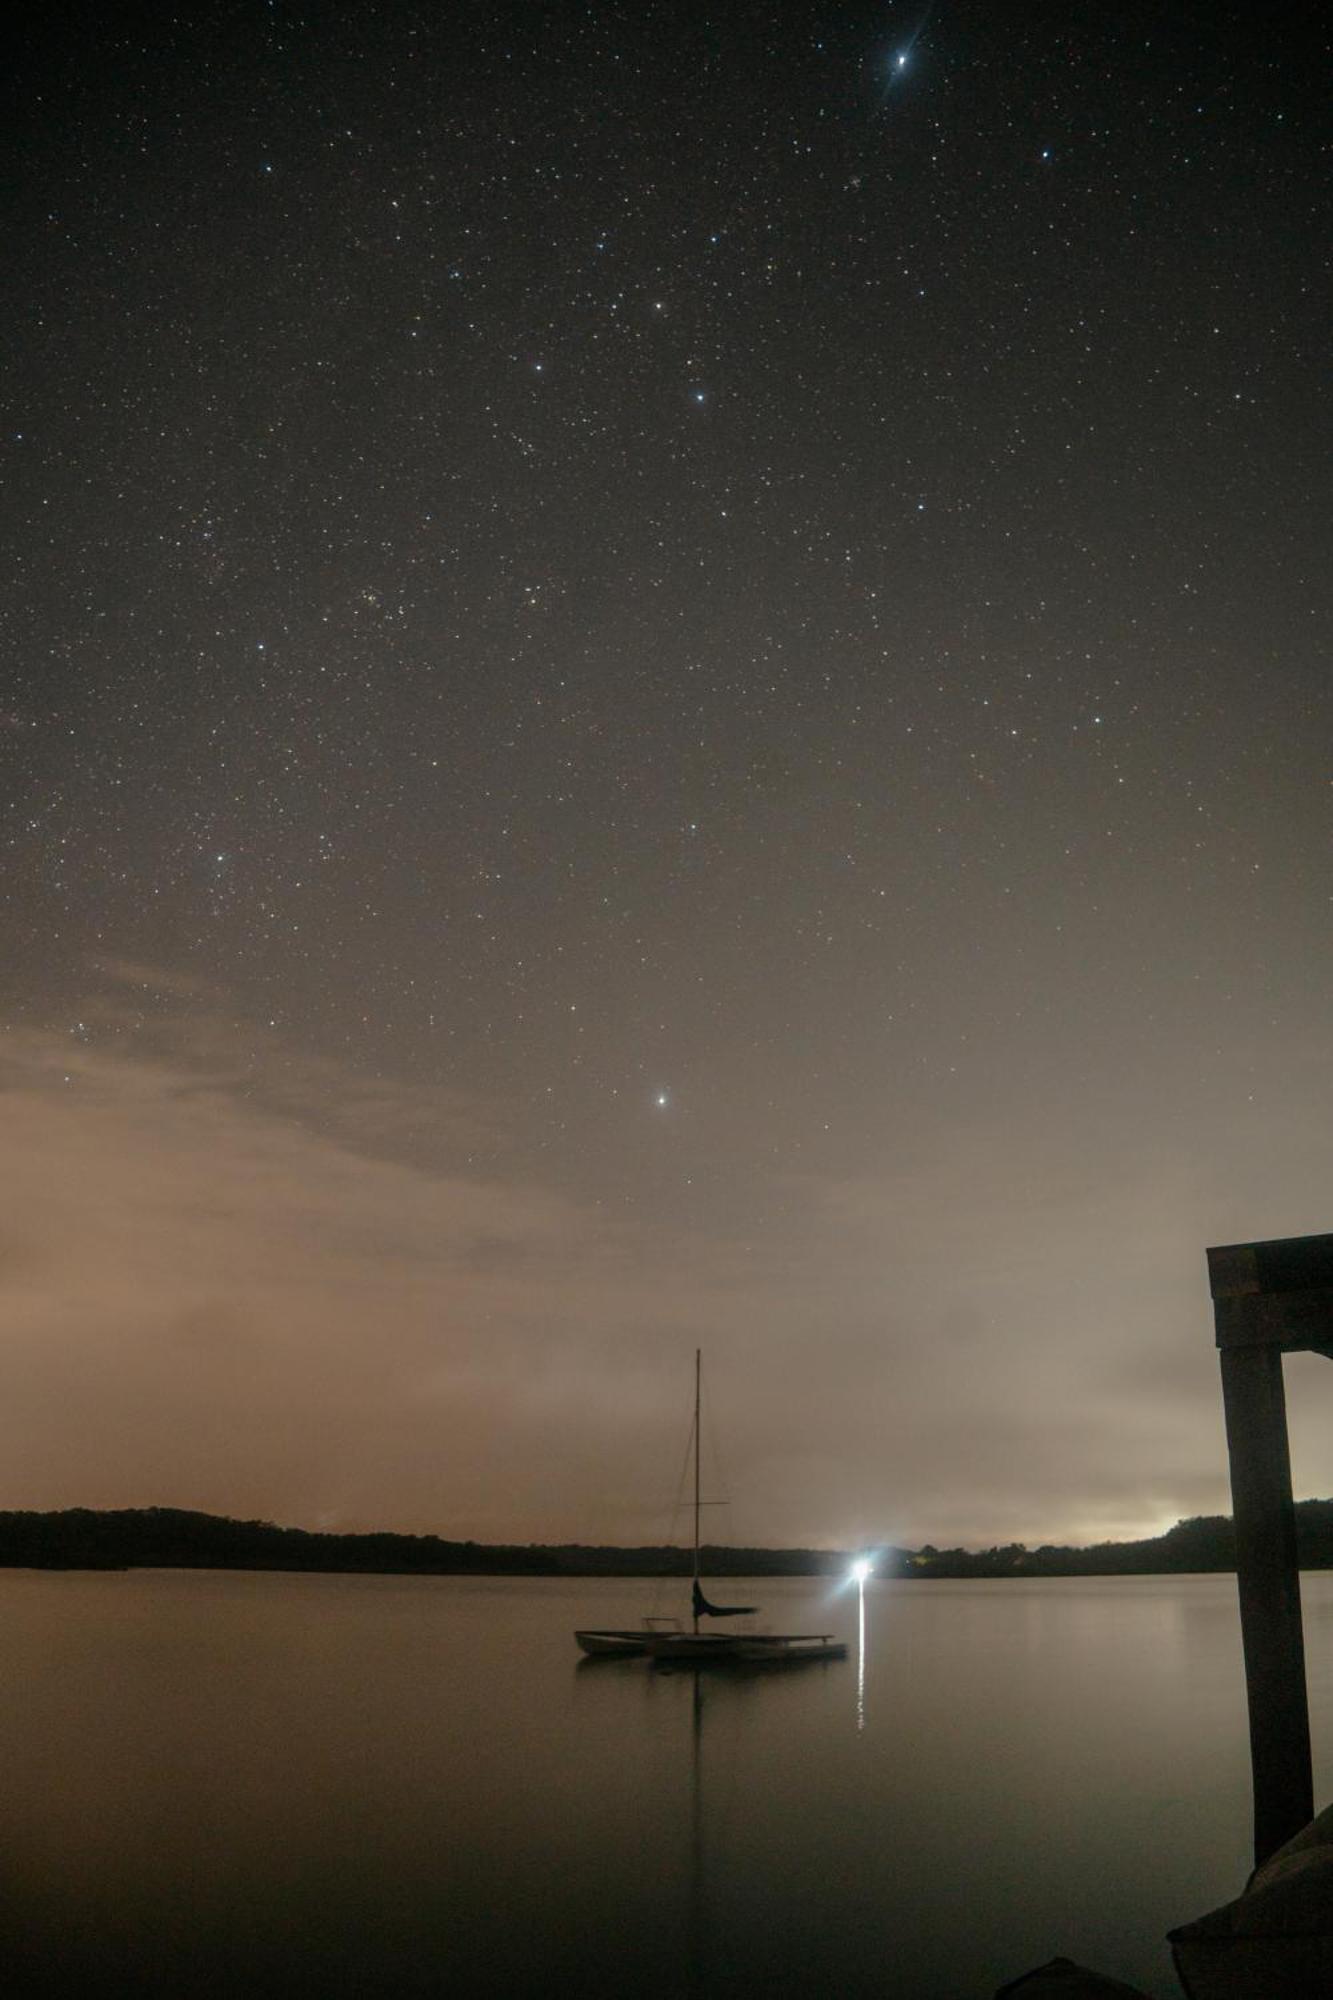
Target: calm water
<point>247,1784</point>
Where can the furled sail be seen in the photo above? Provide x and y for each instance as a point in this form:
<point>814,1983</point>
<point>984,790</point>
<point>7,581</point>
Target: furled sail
<point>703,1609</point>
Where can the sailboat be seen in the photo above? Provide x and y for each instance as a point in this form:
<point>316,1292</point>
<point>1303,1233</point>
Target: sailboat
<point>666,1643</point>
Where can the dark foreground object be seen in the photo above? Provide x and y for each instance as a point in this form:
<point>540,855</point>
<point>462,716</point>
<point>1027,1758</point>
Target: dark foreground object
<point>1061,1979</point>
<point>1269,1299</point>
<point>1274,1942</point>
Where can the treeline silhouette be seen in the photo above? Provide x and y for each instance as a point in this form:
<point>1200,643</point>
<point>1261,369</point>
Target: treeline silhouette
<point>592,1559</point>
<point>1206,1542</point>
<point>176,1538</point>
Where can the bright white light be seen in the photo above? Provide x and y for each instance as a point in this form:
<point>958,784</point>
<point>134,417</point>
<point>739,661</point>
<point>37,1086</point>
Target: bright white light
<point>901,62</point>
<point>861,1569</point>
<point>661,1100</point>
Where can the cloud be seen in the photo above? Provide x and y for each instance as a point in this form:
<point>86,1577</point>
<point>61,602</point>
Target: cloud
<point>213,1302</point>
<point>261,1285</point>
<point>155,980</point>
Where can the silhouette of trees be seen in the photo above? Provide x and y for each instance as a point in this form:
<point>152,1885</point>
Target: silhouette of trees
<point>175,1538</point>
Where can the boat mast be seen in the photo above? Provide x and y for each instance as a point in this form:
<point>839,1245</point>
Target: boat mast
<point>694,1594</point>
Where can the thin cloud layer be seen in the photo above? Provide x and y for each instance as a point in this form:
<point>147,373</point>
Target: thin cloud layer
<point>247,1288</point>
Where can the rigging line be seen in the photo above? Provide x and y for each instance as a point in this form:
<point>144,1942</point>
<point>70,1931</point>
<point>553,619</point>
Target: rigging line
<point>677,1509</point>
<point>723,1484</point>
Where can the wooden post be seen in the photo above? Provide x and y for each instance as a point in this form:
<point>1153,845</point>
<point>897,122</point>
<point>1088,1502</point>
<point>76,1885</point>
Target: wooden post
<point>1269,1584</point>
<point>1270,1299</point>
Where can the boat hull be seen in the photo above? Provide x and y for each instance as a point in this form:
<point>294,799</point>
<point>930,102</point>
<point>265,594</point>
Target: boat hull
<point>748,1649</point>
<point>612,1645</point>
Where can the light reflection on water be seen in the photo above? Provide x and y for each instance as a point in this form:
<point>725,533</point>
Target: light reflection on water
<point>242,1784</point>
<point>860,1654</point>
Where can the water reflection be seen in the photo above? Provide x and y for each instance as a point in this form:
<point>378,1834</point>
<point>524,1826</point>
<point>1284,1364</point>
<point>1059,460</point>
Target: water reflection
<point>263,1784</point>
<point>695,1928</point>
<point>860,1654</point>
<point>720,1692</point>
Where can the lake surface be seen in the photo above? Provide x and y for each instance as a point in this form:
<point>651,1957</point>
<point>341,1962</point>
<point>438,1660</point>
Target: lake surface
<point>246,1784</point>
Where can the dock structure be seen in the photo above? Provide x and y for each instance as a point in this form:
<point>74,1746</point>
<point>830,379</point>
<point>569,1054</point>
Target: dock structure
<point>1270,1299</point>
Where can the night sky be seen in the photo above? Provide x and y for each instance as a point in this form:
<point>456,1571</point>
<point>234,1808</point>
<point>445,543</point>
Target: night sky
<point>665,682</point>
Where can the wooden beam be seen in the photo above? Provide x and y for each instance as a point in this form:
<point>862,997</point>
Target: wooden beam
<point>1283,1264</point>
<point>1270,1592</point>
<point>1274,1294</point>
<point>1295,1321</point>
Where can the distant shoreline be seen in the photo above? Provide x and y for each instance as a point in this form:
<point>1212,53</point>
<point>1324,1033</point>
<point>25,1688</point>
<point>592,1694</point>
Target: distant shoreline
<point>176,1538</point>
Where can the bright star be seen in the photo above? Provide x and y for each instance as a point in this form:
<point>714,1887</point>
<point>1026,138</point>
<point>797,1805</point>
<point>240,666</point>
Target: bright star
<point>899,61</point>
<point>661,1100</point>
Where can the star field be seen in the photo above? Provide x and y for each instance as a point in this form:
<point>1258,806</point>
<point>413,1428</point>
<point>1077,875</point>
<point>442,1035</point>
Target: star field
<point>745,612</point>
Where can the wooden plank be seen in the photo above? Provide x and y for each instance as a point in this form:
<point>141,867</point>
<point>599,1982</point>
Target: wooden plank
<point>1293,1320</point>
<point>1283,1264</point>
<point>1270,1593</point>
